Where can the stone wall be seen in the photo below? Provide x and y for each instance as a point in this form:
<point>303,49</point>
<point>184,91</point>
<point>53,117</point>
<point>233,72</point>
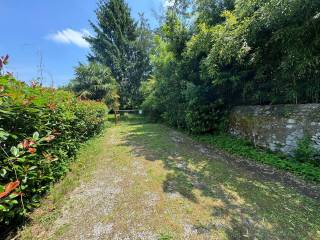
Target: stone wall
<point>279,127</point>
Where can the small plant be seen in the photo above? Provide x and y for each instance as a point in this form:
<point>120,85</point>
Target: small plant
<point>306,152</point>
<point>165,236</point>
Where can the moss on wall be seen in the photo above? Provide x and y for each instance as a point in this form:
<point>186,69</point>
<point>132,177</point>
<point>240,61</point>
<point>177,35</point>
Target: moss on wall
<point>278,127</point>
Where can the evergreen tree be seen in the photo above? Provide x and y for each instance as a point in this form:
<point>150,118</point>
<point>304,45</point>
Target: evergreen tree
<point>114,45</point>
<point>210,11</point>
<point>143,45</point>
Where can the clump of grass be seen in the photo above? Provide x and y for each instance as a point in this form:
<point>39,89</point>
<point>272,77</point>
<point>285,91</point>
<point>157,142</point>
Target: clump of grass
<point>246,149</point>
<point>165,236</point>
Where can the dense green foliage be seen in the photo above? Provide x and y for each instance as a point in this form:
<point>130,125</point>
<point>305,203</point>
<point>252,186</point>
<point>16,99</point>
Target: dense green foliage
<point>231,53</point>
<point>120,44</point>
<point>95,81</point>
<point>246,149</point>
<point>306,153</point>
<point>40,132</point>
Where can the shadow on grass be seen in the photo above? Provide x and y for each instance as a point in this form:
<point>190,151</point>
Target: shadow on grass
<point>245,205</point>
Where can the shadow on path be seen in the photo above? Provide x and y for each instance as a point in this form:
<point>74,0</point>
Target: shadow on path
<point>249,202</point>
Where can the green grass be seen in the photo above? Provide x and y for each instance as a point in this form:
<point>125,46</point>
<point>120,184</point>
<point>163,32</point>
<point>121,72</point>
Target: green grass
<point>245,149</point>
<point>165,236</point>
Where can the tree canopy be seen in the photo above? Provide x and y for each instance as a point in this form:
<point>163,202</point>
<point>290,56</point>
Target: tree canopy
<point>207,56</point>
<point>118,43</point>
<point>233,52</point>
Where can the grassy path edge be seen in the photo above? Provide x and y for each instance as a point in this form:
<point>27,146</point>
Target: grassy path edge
<point>81,170</point>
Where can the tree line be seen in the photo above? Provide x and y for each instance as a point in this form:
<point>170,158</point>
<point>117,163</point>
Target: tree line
<point>205,57</point>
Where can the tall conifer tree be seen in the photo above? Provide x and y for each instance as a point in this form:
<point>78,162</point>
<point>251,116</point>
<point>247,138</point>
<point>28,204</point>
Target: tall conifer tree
<point>114,45</point>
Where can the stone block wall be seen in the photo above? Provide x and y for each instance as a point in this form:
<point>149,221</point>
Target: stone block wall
<point>278,127</point>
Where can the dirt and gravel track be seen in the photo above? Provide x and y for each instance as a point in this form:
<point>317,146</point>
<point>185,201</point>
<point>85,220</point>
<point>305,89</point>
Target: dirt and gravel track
<point>148,181</point>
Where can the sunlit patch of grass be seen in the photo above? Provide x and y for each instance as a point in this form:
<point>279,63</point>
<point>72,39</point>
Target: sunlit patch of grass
<point>241,206</point>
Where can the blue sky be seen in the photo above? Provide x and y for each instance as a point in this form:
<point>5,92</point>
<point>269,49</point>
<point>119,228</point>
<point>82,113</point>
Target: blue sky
<point>52,29</point>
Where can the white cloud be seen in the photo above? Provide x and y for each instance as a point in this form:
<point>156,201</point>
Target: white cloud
<point>70,36</point>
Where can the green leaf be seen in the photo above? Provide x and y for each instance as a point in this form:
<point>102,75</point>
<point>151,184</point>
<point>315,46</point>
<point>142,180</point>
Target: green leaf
<point>35,136</point>
<point>2,208</point>
<point>13,195</point>
<point>4,172</point>
<point>3,135</point>
<point>5,112</point>
<point>32,168</point>
<point>15,151</point>
<point>24,180</point>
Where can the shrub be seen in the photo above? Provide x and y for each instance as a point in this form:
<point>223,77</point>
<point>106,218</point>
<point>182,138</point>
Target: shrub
<point>305,152</point>
<point>203,111</point>
<point>40,131</point>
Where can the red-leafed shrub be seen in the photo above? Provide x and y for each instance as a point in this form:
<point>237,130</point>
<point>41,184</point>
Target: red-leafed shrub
<point>40,132</point>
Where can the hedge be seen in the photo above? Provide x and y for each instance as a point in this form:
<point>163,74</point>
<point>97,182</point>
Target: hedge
<point>40,132</point>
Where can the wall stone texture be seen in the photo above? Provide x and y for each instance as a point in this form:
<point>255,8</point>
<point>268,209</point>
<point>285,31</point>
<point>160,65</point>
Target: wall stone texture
<point>277,127</point>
